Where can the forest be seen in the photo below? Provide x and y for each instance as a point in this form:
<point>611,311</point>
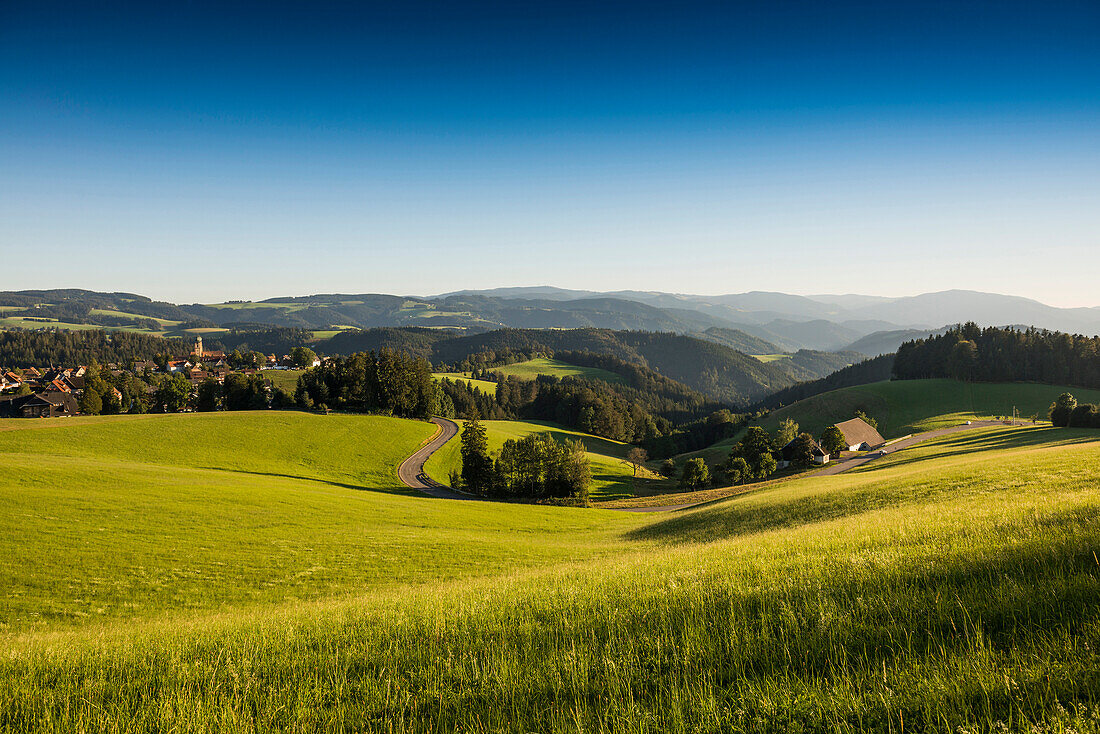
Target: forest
<point>70,348</point>
<point>389,382</point>
<point>968,352</point>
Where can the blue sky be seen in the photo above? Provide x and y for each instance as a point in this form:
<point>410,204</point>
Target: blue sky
<point>208,151</point>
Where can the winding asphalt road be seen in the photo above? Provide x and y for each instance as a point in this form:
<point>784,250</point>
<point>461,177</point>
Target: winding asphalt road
<point>411,472</point>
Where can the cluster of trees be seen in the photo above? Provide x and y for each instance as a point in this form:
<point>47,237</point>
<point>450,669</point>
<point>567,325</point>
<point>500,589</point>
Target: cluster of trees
<point>993,354</point>
<point>277,340</point>
<point>388,382</point>
<point>535,466</point>
<point>756,456</point>
<point>617,411</point>
<point>105,393</point>
<point>42,348</point>
<point>751,458</point>
<point>1066,412</point>
<point>239,392</point>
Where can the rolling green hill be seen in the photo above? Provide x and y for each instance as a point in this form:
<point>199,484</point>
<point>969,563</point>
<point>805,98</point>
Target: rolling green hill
<point>956,593</point>
<point>912,406</point>
<point>611,477</point>
<point>902,407</point>
<point>135,516</point>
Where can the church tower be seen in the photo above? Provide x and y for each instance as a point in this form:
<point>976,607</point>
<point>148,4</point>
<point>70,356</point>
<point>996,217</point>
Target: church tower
<point>198,347</point>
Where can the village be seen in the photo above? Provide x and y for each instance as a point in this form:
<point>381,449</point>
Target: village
<point>201,379</point>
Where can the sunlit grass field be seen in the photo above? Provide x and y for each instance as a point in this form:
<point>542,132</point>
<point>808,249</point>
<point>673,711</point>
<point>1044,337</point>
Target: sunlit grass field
<point>956,590</point>
<point>285,379</point>
<point>902,407</point>
<point>612,477</point>
<point>486,386</point>
<point>532,368</point>
<point>134,516</point>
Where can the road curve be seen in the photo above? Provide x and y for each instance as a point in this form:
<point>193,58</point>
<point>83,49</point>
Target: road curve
<point>411,472</point>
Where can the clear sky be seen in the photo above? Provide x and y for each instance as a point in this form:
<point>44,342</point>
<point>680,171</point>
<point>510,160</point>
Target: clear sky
<point>208,151</point>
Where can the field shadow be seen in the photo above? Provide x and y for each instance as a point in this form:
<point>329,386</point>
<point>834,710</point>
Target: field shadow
<point>742,516</point>
<point>993,585</point>
<point>968,443</point>
<point>342,485</point>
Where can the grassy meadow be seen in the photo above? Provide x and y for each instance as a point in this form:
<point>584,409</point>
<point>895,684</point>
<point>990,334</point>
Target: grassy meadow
<point>532,368</point>
<point>286,379</point>
<point>902,407</point>
<point>132,517</point>
<point>612,478</point>
<point>771,357</point>
<point>953,593</point>
<point>486,386</point>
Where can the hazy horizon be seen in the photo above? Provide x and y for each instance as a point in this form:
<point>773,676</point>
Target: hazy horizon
<point>201,153</point>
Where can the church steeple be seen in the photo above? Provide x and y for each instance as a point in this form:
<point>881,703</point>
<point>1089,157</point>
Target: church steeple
<point>198,347</point>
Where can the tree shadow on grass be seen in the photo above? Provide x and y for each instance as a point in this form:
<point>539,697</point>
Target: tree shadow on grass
<point>744,516</point>
<point>968,443</point>
<point>405,491</point>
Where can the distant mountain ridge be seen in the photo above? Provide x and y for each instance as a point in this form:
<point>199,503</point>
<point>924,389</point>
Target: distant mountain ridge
<point>787,322</point>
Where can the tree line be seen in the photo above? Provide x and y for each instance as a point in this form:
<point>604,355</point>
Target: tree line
<point>69,348</point>
<point>968,352</point>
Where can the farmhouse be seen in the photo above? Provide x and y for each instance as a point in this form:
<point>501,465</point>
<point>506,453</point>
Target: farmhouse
<point>786,455</point>
<point>860,435</point>
<point>39,405</point>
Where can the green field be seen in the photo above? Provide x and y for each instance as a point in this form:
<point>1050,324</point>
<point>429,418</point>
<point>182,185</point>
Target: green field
<point>612,478</point>
<point>199,330</point>
<point>286,379</point>
<point>99,522</point>
<point>902,407</point>
<point>18,322</point>
<point>532,368</point>
<point>771,357</point>
<point>160,592</point>
<point>486,386</point>
<point>288,307</point>
<point>126,314</point>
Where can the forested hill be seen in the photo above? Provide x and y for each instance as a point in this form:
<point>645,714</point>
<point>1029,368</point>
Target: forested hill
<point>863,373</point>
<point>715,370</point>
<point>1002,355</point>
<point>20,349</point>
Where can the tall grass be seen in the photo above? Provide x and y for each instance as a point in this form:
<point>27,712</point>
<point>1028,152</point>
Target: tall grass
<point>957,596</point>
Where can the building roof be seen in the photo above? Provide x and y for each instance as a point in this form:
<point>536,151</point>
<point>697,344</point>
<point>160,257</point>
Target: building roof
<point>858,432</point>
<point>61,398</point>
<point>787,452</point>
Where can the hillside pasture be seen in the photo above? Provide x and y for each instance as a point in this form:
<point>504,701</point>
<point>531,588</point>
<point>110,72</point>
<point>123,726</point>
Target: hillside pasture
<point>532,368</point>
<point>285,379</point>
<point>485,386</point>
<point>902,407</point>
<point>133,517</point>
<point>612,477</point>
<point>953,596</point>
